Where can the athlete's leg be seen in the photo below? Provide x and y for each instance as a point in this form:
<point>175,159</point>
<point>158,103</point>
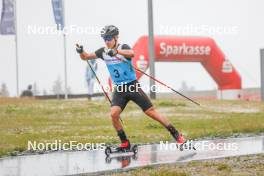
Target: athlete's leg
<point>142,100</point>
<point>115,115</point>
<point>151,112</point>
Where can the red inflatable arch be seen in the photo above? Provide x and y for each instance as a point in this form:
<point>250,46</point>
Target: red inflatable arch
<point>192,49</point>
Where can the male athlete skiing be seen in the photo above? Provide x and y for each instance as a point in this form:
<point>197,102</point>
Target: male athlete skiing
<point>118,59</point>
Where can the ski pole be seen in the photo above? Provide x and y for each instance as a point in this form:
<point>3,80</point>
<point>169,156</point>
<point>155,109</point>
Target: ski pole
<point>102,87</point>
<point>159,82</point>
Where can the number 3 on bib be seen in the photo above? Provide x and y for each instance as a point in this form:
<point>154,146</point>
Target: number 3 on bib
<point>117,74</point>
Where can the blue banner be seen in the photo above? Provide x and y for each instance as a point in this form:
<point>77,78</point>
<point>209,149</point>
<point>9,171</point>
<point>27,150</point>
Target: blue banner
<point>58,13</point>
<point>7,24</point>
<point>1,8</point>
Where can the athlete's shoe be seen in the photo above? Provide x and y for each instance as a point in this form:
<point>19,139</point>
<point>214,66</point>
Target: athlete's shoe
<point>180,139</point>
<point>124,145</point>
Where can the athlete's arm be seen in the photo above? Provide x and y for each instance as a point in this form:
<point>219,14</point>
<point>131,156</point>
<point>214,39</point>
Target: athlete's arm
<point>126,53</point>
<point>84,55</point>
<point>87,56</point>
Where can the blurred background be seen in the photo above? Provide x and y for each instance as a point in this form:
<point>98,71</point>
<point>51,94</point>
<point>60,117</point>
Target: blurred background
<point>40,48</point>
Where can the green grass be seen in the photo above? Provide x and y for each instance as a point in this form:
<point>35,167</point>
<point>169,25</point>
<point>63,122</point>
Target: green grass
<point>23,120</point>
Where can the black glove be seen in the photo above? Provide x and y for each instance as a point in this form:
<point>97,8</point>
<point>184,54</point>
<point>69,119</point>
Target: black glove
<point>111,52</point>
<point>79,49</point>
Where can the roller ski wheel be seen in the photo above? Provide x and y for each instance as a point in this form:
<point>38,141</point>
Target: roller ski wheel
<point>108,150</point>
<point>134,149</point>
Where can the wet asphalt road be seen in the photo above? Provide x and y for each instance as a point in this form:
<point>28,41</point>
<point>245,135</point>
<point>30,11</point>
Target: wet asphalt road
<point>70,163</point>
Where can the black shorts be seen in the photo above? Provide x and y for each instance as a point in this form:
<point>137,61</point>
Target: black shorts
<point>131,91</point>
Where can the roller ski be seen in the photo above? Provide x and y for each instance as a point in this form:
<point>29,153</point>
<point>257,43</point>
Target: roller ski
<point>124,147</point>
